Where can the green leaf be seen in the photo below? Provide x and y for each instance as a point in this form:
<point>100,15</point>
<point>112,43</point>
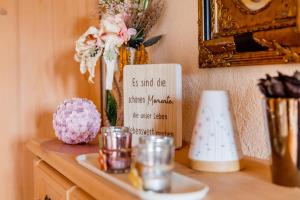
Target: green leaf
<point>146,4</point>
<point>135,43</point>
<point>100,141</point>
<point>152,41</point>
<point>139,34</point>
<point>111,109</point>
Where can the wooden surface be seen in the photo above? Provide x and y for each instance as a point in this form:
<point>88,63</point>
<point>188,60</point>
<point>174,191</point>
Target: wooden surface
<point>9,101</point>
<point>37,72</point>
<point>251,183</point>
<point>62,158</point>
<point>49,183</point>
<point>78,194</point>
<point>153,100</point>
<point>219,166</point>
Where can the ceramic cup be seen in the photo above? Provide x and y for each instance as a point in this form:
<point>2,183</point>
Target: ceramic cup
<point>215,146</point>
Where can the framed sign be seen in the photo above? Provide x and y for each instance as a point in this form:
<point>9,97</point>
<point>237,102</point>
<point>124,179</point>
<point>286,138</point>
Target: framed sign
<point>153,100</point>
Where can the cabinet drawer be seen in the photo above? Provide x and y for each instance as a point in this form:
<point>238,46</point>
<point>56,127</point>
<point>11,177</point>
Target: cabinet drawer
<point>49,184</point>
<point>78,194</point>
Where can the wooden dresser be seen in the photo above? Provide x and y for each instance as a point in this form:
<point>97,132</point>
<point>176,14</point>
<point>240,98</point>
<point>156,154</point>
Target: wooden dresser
<point>57,176</point>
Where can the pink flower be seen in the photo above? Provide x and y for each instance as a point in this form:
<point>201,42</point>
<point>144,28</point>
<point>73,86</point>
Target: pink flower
<point>126,34</point>
<point>106,40</point>
<point>76,121</point>
<point>111,24</point>
<point>114,26</point>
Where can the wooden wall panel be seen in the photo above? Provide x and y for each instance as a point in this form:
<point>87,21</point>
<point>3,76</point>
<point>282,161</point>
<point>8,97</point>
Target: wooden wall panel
<point>47,40</point>
<point>9,101</point>
<point>37,72</point>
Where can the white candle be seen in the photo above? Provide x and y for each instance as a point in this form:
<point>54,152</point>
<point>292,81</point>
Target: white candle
<point>157,184</point>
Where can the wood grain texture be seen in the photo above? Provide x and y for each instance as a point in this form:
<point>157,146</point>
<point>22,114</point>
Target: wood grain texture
<point>37,73</point>
<point>251,183</point>
<point>78,194</point>
<point>221,167</point>
<point>64,163</point>
<point>49,183</point>
<point>9,88</point>
<point>153,101</point>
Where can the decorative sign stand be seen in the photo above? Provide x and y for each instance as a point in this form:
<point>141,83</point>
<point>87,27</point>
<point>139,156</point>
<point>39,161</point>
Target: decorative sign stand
<point>153,100</point>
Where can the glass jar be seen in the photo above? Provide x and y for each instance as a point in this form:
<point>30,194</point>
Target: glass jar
<point>150,139</point>
<point>154,163</point>
<point>112,97</point>
<point>116,148</point>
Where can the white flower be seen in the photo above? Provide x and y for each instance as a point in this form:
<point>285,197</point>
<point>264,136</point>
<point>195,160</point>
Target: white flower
<point>89,48</point>
<point>116,34</point>
<point>112,34</point>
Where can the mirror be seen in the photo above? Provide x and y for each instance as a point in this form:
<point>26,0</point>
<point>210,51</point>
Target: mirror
<point>248,32</point>
<point>255,5</point>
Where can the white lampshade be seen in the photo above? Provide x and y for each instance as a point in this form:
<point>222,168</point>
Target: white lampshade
<point>215,146</point>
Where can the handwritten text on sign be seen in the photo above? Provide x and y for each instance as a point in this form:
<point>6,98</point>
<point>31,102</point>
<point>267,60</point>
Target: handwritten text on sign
<point>152,100</point>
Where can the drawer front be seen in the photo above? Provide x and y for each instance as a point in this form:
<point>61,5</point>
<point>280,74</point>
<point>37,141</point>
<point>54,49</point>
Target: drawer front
<point>78,194</point>
<point>49,184</point>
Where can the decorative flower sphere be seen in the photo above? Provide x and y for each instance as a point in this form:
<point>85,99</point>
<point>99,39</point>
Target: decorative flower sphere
<point>76,121</point>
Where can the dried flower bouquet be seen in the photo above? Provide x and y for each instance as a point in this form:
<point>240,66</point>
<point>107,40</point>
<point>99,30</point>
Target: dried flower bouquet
<point>121,39</point>
<point>281,86</point>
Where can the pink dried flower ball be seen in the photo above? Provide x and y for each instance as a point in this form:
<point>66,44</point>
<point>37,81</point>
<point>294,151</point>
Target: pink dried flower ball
<point>76,121</point>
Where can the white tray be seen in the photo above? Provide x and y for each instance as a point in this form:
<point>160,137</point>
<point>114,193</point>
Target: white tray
<point>183,187</point>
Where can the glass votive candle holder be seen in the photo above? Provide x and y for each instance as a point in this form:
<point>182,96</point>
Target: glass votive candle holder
<point>154,163</point>
<point>151,139</point>
<point>115,149</point>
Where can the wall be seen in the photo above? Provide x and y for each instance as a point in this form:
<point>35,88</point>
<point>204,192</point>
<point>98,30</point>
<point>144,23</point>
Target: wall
<point>37,72</point>
<point>9,75</point>
<point>179,24</point>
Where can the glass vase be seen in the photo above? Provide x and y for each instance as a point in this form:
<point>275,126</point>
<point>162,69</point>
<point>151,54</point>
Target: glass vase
<point>283,126</point>
<point>112,98</point>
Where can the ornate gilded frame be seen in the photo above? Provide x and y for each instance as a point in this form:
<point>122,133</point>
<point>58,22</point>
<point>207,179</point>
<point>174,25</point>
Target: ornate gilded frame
<point>274,29</point>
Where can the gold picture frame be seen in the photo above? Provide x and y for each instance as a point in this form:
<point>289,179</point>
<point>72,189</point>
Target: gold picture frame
<point>241,34</point>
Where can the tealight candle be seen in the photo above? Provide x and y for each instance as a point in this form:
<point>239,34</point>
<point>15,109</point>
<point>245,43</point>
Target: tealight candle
<point>154,157</point>
<point>157,184</point>
<point>116,148</point>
